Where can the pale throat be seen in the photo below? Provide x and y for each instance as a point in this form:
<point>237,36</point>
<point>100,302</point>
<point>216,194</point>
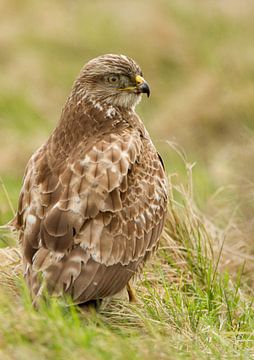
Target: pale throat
<point>111,104</point>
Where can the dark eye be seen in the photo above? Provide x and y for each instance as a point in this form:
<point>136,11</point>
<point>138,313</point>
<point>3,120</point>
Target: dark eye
<point>113,79</point>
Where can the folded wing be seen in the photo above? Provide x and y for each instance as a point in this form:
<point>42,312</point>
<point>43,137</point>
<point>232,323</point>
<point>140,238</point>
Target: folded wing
<point>88,221</point>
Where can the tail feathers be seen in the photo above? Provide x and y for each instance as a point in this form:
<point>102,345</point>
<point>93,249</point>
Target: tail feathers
<point>78,275</point>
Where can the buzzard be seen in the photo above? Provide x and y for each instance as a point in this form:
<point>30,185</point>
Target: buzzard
<point>94,196</point>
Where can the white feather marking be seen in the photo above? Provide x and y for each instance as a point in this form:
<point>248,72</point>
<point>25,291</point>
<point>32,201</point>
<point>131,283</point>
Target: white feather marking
<point>124,154</point>
<point>95,256</point>
<point>143,217</point>
<point>97,105</point>
<point>115,147</point>
<point>113,169</point>
<point>154,207</point>
<point>86,160</point>
<point>111,112</point>
<point>76,205</point>
<point>56,205</point>
<point>31,219</point>
<point>157,196</point>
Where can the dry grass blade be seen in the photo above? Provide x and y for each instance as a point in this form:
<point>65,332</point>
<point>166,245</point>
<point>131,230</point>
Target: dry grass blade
<point>10,268</point>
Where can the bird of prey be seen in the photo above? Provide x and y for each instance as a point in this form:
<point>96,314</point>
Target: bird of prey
<point>94,196</point>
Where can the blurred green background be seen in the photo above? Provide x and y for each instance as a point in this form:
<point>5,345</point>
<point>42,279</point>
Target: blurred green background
<point>197,55</point>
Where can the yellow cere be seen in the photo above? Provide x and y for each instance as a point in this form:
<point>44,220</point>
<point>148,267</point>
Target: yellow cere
<point>139,79</point>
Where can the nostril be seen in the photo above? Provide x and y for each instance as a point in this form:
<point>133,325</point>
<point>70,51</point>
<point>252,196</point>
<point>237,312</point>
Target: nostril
<point>139,80</point>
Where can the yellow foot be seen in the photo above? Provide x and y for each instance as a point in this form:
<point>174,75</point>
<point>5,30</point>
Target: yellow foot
<point>132,293</point>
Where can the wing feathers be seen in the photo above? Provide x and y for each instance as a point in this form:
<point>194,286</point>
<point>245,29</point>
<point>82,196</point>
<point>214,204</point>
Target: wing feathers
<point>89,219</point>
<point>56,231</point>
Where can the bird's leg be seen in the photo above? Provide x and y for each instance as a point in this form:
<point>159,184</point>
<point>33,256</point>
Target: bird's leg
<point>131,293</point>
<point>91,305</point>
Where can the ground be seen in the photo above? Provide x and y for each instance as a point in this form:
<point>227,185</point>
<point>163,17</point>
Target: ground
<point>196,296</point>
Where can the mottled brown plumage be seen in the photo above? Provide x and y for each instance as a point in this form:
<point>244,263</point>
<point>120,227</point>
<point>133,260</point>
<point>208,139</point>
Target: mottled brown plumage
<point>94,196</point>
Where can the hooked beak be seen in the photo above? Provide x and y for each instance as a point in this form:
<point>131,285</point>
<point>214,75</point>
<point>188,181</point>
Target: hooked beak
<point>142,85</point>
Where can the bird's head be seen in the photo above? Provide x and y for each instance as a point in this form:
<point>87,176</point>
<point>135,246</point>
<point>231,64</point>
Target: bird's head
<point>112,79</point>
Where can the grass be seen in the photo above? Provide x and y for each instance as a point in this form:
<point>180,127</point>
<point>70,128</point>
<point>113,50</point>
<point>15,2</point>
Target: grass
<point>196,296</point>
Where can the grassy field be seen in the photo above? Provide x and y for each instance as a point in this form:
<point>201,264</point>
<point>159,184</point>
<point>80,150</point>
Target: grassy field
<point>196,296</point>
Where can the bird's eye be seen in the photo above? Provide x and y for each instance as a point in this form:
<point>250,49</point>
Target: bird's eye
<point>112,79</point>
